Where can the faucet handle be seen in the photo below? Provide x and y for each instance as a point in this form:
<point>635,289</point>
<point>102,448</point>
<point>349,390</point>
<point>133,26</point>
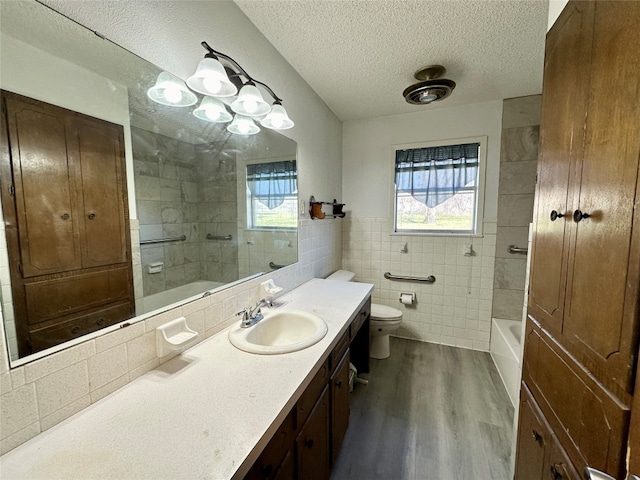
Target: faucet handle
<point>244,312</point>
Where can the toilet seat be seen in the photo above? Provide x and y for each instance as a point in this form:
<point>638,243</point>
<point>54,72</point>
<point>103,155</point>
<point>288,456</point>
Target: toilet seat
<point>384,313</point>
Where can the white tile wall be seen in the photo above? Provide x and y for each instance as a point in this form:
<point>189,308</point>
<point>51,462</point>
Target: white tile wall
<point>41,394</point>
<point>456,309</point>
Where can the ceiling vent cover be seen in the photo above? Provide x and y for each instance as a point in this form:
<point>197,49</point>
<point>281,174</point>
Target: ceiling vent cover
<point>431,88</point>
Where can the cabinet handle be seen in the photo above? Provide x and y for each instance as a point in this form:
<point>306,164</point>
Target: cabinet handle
<point>309,442</point>
<point>91,216</point>
<point>75,330</point>
<point>555,215</point>
<point>578,215</point>
<point>100,321</point>
<point>555,472</point>
<point>339,384</point>
<point>536,436</point>
<point>65,216</point>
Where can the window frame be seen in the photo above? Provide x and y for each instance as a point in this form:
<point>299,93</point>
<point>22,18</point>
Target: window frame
<point>249,198</point>
<point>480,189</point>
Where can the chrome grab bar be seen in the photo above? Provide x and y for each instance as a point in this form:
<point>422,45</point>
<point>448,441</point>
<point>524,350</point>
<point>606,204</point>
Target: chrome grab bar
<point>429,279</point>
<point>164,240</point>
<point>275,266</point>
<point>514,249</point>
<point>219,237</point>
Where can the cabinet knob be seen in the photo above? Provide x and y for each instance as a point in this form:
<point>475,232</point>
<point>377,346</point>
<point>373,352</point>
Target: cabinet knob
<point>266,470</point>
<point>65,216</point>
<point>579,215</point>
<point>91,216</point>
<point>339,384</point>
<point>555,215</point>
<point>555,473</point>
<point>536,436</point>
<point>100,321</point>
<point>309,442</point>
<point>75,330</point>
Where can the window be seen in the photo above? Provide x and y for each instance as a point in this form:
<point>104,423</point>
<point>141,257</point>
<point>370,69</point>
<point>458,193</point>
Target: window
<point>437,189</point>
<point>272,195</point>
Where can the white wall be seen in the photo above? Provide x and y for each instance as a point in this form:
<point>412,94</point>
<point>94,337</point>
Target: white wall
<point>41,394</point>
<point>456,309</point>
<point>555,8</point>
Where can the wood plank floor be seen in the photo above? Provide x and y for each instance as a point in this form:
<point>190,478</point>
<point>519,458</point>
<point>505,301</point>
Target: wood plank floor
<point>429,412</point>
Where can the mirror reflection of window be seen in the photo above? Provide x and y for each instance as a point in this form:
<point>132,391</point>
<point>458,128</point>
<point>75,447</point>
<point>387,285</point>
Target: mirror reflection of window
<point>272,190</point>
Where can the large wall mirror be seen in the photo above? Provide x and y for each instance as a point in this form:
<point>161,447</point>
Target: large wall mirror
<point>116,206</point>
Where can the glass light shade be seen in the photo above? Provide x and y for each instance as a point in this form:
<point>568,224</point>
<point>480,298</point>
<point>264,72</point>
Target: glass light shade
<point>277,119</point>
<point>170,90</point>
<point>211,79</point>
<point>250,102</point>
<point>243,125</point>
<point>212,110</point>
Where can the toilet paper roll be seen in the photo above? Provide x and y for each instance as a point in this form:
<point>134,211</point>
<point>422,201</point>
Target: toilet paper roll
<point>406,298</point>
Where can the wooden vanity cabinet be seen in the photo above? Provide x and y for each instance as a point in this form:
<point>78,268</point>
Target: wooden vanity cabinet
<point>307,444</point>
<point>64,199</point>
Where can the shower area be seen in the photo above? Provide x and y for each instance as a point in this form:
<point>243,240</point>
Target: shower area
<point>518,163</point>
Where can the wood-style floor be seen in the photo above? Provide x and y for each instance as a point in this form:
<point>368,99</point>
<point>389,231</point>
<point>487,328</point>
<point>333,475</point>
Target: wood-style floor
<point>429,412</point>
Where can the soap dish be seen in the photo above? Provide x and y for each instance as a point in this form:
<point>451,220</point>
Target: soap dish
<point>173,336</point>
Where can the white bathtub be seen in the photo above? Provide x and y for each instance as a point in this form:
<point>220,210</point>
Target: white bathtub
<point>506,351</point>
<point>190,291</point>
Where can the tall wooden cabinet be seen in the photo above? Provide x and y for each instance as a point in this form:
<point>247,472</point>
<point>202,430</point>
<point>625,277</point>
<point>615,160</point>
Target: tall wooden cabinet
<point>582,333</point>
<point>67,222</point>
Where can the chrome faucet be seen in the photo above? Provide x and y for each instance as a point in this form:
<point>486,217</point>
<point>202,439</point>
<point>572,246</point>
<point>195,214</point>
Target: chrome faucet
<point>252,315</point>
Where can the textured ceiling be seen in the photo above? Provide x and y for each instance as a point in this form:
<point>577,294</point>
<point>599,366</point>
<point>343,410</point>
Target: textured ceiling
<point>359,55</point>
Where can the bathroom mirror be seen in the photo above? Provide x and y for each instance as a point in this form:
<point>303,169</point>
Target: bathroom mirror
<point>193,195</point>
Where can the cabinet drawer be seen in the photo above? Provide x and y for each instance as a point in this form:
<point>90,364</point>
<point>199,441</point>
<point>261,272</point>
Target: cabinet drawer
<point>338,351</point>
<point>311,394</point>
<point>360,319</point>
<point>71,328</point>
<point>589,421</point>
<point>48,299</point>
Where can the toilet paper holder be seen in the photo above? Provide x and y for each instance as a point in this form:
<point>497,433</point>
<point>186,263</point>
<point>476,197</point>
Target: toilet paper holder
<point>407,298</point>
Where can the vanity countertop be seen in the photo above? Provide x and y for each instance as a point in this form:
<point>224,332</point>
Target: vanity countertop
<point>205,414</point>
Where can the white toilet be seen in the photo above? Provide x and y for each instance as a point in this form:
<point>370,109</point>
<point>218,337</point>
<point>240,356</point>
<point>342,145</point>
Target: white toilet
<point>384,320</point>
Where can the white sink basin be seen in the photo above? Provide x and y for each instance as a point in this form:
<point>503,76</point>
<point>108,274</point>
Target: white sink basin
<point>280,332</point>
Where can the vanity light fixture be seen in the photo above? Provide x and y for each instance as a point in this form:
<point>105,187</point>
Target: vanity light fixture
<point>211,78</point>
<point>170,90</point>
<point>212,110</point>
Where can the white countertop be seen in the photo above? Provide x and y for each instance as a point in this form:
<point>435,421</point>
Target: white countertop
<point>206,414</point>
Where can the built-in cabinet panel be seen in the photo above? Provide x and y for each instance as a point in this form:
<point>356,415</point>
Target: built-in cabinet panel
<point>67,221</point>
<point>582,334</point>
<point>339,405</point>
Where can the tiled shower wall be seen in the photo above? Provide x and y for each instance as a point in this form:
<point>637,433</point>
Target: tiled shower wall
<point>184,190</point>
<point>456,309</point>
<point>518,162</point>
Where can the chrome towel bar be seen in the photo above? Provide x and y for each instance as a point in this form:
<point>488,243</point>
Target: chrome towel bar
<point>429,279</point>
<point>219,237</point>
<point>514,249</point>
<point>164,240</point>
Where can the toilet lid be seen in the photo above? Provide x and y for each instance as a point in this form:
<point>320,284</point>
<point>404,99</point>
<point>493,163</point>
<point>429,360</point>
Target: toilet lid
<point>384,312</point>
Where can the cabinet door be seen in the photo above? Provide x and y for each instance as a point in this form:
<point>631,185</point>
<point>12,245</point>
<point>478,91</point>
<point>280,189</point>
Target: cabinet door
<point>532,440</point>
<point>563,112</point>
<point>602,287</point>
<point>41,142</point>
<point>312,444</point>
<point>339,405</point>
<point>101,176</point>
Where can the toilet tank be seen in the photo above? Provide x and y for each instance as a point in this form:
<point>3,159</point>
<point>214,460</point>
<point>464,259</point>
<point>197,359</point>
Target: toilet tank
<point>343,275</point>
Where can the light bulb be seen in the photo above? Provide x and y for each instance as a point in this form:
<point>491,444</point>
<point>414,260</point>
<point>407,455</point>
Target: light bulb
<point>250,105</point>
<point>212,84</point>
<point>244,127</point>
<point>277,121</point>
<point>172,93</point>
<point>212,114</point>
